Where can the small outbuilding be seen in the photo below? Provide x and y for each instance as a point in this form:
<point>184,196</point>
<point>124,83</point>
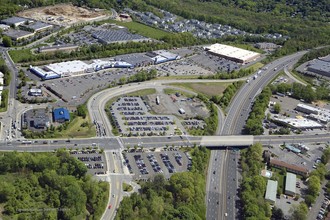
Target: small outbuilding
<point>271,191</point>
<point>290,184</point>
<point>61,115</point>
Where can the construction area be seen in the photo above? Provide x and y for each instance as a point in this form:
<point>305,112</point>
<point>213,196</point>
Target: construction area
<point>63,14</point>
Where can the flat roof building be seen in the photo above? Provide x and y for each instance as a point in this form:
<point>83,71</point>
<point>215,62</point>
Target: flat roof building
<point>271,191</point>
<point>16,21</point>
<point>319,67</point>
<point>290,184</point>
<point>299,123</point>
<point>68,68</point>
<point>37,26</point>
<point>17,34</point>
<point>35,92</point>
<point>232,53</point>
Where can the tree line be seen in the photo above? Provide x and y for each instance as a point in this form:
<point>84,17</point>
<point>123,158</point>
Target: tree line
<point>299,91</point>
<point>227,95</point>
<point>180,197</point>
<point>49,186</point>
<point>253,125</point>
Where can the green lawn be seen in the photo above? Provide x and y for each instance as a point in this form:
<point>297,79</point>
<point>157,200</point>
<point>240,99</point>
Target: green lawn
<point>209,89</point>
<point>19,56</point>
<point>255,66</point>
<point>144,30</point>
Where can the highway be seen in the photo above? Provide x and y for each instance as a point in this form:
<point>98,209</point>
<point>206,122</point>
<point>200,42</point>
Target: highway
<point>237,114</point>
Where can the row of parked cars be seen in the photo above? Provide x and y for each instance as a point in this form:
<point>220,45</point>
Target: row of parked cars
<point>167,162</point>
<point>324,208</point>
<point>154,163</point>
<point>141,165</point>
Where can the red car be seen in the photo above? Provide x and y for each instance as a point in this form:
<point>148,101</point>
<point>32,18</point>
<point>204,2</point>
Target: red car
<point>109,207</point>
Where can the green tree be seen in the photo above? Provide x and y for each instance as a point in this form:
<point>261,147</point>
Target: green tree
<point>299,212</point>
<point>277,108</point>
<point>7,42</point>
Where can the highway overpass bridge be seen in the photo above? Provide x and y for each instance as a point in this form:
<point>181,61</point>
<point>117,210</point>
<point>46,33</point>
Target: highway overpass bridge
<point>227,141</point>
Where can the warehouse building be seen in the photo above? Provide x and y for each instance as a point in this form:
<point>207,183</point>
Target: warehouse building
<point>17,35</point>
<point>271,191</point>
<point>61,115</point>
<point>320,67</point>
<point>290,184</point>
<point>15,21</point>
<point>232,53</point>
<point>37,26</point>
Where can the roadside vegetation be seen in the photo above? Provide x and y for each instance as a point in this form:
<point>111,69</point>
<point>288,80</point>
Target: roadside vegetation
<point>225,98</point>
<point>180,197</point>
<point>253,185</point>
<point>253,125</point>
<point>299,91</point>
<point>49,186</point>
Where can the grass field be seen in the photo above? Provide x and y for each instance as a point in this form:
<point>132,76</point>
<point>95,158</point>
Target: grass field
<point>208,89</point>
<point>19,56</point>
<point>75,129</point>
<point>170,91</point>
<point>255,66</point>
<point>144,30</point>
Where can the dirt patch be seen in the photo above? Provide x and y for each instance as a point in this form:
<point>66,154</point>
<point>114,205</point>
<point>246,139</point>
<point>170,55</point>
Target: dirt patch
<point>63,14</point>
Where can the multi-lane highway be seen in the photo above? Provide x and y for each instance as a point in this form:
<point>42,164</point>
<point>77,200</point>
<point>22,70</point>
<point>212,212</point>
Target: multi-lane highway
<point>237,115</point>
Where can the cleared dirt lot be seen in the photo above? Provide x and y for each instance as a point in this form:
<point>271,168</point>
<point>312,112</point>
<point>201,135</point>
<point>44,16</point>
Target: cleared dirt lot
<point>62,14</point>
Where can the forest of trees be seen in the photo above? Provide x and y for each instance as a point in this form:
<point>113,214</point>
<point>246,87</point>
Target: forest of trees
<point>180,197</point>
<point>49,186</point>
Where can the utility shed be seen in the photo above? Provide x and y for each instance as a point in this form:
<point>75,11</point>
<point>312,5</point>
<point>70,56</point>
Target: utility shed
<point>271,191</point>
<point>290,184</point>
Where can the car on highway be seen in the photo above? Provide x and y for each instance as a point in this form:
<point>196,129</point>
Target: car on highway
<point>109,207</point>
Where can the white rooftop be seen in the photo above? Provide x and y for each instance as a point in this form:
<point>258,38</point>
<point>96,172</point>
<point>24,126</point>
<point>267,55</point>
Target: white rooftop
<point>231,51</point>
<point>300,123</point>
<point>69,67</point>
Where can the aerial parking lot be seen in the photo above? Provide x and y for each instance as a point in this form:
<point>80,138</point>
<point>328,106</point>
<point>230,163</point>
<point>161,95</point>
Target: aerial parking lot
<point>145,165</point>
<point>93,160</point>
